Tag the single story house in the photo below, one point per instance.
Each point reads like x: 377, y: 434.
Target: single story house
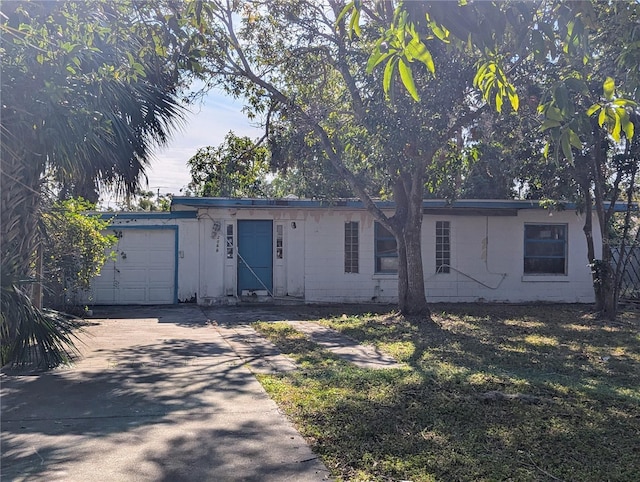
x: 219, y: 250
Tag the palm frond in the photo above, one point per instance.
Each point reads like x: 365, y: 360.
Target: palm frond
x: 41, y: 338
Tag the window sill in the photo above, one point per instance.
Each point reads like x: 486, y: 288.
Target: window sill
x: 546, y: 278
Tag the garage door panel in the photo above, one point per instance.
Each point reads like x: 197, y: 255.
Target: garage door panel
x: 156, y: 295
x: 158, y: 275
x: 106, y: 296
x: 145, y: 258
x: 133, y: 276
x: 105, y: 279
x: 143, y: 271
x: 133, y: 295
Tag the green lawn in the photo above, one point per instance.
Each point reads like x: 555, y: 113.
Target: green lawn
x: 520, y: 393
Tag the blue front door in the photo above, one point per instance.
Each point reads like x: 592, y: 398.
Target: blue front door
x: 255, y: 256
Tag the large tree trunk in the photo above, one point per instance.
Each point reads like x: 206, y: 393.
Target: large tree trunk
x: 411, y: 292
x: 591, y: 250
x: 604, y: 275
x: 407, y: 224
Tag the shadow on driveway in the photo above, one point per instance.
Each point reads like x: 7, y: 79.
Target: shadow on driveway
x: 154, y: 398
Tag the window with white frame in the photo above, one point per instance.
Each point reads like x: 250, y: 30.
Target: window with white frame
x: 351, y: 247
x: 443, y: 247
x: 386, y: 250
x: 229, y: 241
x: 279, y: 241
x: 545, y: 249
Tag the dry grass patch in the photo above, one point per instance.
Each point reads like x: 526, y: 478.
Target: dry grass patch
x: 494, y: 393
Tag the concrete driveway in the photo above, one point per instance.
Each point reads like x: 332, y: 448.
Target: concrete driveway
x: 158, y: 395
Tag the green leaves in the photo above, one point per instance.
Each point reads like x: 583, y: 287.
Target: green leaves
x: 352, y: 8
x: 76, y: 246
x: 609, y: 88
x: 354, y: 24
x: 400, y: 47
x: 627, y: 125
x: 560, y: 121
x: 593, y: 109
x: 417, y: 50
x: 236, y: 168
x: 566, y: 121
x: 492, y: 82
x: 388, y: 75
x: 613, y: 114
x: 380, y: 54
x: 407, y: 78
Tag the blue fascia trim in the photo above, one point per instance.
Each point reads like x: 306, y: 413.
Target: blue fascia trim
x: 506, y: 204
x: 164, y: 215
x: 284, y: 203
x: 497, y: 204
x: 175, y: 230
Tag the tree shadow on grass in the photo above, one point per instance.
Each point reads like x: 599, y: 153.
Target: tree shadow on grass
x: 551, y: 345
x: 424, y: 429
x: 495, y: 393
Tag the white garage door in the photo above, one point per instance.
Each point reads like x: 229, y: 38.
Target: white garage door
x: 143, y: 271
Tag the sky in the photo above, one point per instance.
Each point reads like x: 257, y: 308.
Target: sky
x: 206, y: 125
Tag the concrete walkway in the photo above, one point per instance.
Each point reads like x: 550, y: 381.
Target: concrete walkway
x: 364, y: 356
x: 261, y: 356
x: 160, y: 395
x: 258, y: 353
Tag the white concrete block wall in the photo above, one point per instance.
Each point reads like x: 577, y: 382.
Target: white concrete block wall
x: 486, y: 257
x: 294, y: 256
x: 471, y: 275
x: 488, y: 261
x: 215, y: 277
x: 188, y: 259
x: 325, y: 279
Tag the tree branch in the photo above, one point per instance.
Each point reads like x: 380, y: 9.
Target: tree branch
x: 243, y: 67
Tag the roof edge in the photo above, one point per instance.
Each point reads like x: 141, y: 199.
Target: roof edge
x: 458, y: 204
x: 115, y: 215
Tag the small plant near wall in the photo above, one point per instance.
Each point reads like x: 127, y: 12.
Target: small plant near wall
x: 76, y: 248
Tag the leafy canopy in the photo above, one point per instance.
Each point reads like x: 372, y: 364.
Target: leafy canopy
x: 236, y: 168
x: 505, y: 34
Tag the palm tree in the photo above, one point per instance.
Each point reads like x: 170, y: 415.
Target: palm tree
x: 88, y: 89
